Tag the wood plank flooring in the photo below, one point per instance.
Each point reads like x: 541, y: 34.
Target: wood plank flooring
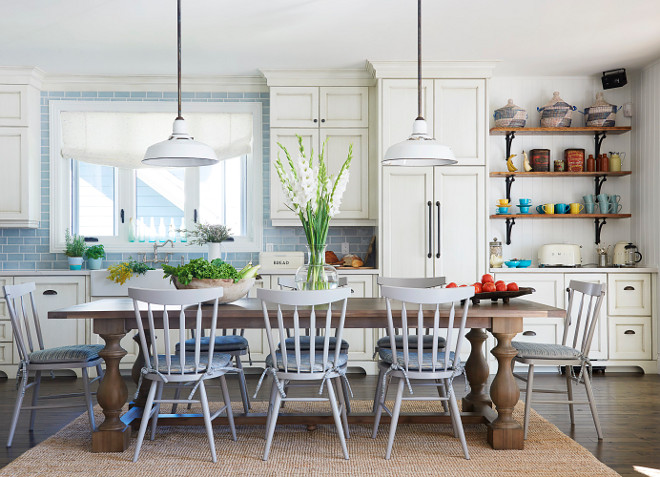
x: 628, y: 405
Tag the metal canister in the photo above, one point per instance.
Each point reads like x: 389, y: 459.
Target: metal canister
x: 540, y: 159
x: 574, y: 160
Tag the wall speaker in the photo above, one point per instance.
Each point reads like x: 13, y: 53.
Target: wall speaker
x: 614, y: 78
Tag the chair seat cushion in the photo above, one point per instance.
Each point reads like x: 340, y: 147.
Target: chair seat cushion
x: 544, y: 351
x: 318, y: 343
x: 427, y: 342
x: 305, y: 365
x: 222, y: 343
x: 66, y: 354
x: 386, y: 356
x: 220, y: 360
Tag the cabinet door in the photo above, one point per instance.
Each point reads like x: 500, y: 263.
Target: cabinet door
x: 344, y: 107
x: 294, y: 107
x: 13, y: 105
x: 287, y: 137
x: 399, y: 102
x: 355, y: 201
x: 629, y: 294
x: 459, y: 118
x: 407, y: 222
x: 14, y: 180
x: 256, y: 337
x: 6, y: 331
x: 459, y: 217
x: 598, y: 348
x: 630, y: 337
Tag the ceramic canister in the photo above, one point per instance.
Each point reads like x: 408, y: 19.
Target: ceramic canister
x: 540, y: 159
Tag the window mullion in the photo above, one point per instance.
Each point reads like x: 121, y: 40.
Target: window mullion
x: 191, y: 190
x: 125, y: 192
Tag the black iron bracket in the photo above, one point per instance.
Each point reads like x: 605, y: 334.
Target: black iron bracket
x: 599, y: 227
x: 598, y: 140
x: 509, y: 139
x: 510, y: 221
x: 599, y: 182
x: 509, y: 180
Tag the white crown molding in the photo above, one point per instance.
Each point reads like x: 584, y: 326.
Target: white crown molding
x: 431, y: 69
x: 21, y: 75
x: 320, y: 77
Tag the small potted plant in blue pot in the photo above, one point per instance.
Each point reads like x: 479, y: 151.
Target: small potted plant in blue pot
x: 75, y: 248
x: 95, y: 255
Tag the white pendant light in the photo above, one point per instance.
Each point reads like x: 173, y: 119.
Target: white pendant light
x: 419, y: 149
x: 181, y: 149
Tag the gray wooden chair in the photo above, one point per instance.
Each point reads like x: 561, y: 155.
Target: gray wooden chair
x: 181, y: 368
x: 292, y: 365
x: 36, y: 358
x: 417, y: 364
x: 582, y: 312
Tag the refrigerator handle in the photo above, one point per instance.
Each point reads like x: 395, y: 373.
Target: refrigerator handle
x: 437, y: 255
x: 430, y: 205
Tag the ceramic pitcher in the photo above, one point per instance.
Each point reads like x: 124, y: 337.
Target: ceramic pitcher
x: 616, y: 159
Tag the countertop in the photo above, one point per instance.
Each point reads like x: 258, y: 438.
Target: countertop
x: 341, y: 271
x: 575, y: 270
x: 49, y: 273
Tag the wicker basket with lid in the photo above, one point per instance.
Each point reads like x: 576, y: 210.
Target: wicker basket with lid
x: 557, y: 113
x: 601, y: 113
x: 510, y: 116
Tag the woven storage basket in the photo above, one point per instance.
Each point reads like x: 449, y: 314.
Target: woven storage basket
x: 510, y: 116
x: 601, y: 113
x: 557, y: 113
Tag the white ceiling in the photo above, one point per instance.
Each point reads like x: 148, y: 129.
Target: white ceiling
x: 239, y: 37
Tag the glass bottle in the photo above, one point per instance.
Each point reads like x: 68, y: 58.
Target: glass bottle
x: 140, y: 230
x: 171, y: 231
x: 182, y: 228
x: 131, y: 230
x: 152, y: 230
x: 591, y: 163
x: 162, y: 234
x: 495, y: 248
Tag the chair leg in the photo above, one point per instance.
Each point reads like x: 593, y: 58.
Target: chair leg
x: 35, y: 398
x: 271, y: 424
x: 88, y: 399
x: 569, y: 391
x: 273, y: 391
x: 243, y: 385
x: 457, y: 419
x: 592, y: 404
x: 17, y: 411
x: 395, y: 418
x: 379, y: 382
x: 452, y: 414
x: 99, y: 371
x: 337, y: 416
x: 528, y: 397
x: 347, y: 396
x: 154, y: 419
x: 207, y: 419
x: 341, y: 396
x: 230, y: 413
x: 379, y: 407
x: 177, y: 394
x: 145, y: 419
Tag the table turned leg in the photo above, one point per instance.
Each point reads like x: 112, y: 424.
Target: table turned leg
x: 504, y: 432
x: 112, y: 435
x: 476, y: 372
x: 136, y: 371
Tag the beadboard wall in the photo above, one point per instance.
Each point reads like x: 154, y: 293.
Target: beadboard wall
x: 530, y: 93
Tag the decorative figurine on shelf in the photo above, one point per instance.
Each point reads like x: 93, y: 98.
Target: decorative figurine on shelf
x: 526, y: 165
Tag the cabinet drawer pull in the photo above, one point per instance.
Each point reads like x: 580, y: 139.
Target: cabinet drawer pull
x: 50, y: 292
x: 430, y: 206
x: 322, y: 120
x: 629, y: 332
x: 629, y: 287
x: 529, y: 333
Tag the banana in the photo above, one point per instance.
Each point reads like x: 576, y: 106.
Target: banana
x: 526, y: 164
x: 509, y: 164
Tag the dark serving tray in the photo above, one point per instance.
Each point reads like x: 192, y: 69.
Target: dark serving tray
x: 504, y: 295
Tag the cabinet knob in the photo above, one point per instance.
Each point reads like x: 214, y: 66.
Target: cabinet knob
x: 629, y: 332
x: 322, y: 120
x: 629, y: 287
x: 316, y: 120
x: 529, y: 333
x: 50, y: 292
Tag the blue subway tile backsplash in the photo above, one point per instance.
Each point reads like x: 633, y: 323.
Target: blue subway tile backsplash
x: 28, y: 249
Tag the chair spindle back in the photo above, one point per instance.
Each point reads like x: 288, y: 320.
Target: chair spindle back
x: 583, y: 309
x: 24, y: 318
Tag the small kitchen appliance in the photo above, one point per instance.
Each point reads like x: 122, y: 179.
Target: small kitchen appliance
x: 559, y: 255
x: 626, y: 255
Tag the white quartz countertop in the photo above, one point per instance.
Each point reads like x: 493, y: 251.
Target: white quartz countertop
x: 49, y: 273
x: 575, y: 270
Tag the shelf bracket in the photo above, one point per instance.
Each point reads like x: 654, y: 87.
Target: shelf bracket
x: 509, y: 139
x: 510, y: 221
x: 599, y: 226
x: 599, y: 183
x: 509, y: 180
x: 598, y: 140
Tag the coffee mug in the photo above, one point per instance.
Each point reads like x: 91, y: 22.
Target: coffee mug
x: 615, y: 198
x: 525, y: 201
x: 576, y: 208
x: 589, y: 207
x: 615, y: 208
x: 539, y: 209
x: 603, y: 198
x: 504, y: 202
x: 549, y: 208
x: 604, y: 206
x: 561, y: 208
x: 588, y: 199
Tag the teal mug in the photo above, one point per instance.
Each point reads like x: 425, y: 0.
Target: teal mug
x: 615, y: 198
x: 615, y: 208
x: 539, y: 209
x: 561, y: 208
x: 589, y: 207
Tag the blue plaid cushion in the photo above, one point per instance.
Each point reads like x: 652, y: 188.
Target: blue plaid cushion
x: 305, y: 342
x: 427, y: 342
x: 427, y: 359
x: 219, y: 361
x: 222, y: 343
x: 544, y: 351
x: 66, y: 354
x: 305, y: 364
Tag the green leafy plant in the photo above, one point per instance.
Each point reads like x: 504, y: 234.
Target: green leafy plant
x: 95, y: 251
x: 123, y: 271
x: 201, y: 268
x: 75, y: 245
x: 205, y: 233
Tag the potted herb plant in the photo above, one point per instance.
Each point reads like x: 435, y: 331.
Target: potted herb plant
x: 211, y: 234
x: 75, y: 248
x: 95, y: 255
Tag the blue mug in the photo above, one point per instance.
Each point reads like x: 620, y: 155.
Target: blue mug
x: 539, y: 209
x: 502, y: 210
x: 589, y: 207
x: 525, y: 201
x: 561, y: 208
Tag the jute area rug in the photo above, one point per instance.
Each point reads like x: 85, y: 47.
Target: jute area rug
x: 419, y: 450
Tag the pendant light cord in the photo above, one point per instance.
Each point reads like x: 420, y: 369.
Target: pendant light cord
x: 419, y: 59
x: 178, y: 39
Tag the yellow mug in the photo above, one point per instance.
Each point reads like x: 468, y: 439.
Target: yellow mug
x: 576, y: 208
x: 549, y: 208
x: 504, y: 202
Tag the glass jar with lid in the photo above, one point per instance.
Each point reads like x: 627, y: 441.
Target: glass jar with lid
x: 495, y: 253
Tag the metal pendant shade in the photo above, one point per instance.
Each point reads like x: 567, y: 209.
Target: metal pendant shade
x: 180, y: 149
x: 420, y: 149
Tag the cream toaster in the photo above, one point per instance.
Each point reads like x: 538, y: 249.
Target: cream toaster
x: 559, y: 255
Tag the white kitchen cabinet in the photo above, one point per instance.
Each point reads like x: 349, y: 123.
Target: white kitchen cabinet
x: 433, y: 222
x: 629, y: 294
x: 6, y: 332
x: 14, y: 105
x: 631, y: 337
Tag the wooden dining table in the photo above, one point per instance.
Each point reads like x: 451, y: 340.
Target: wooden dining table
x: 113, y: 318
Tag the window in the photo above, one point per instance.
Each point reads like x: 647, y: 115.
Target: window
x: 96, y: 195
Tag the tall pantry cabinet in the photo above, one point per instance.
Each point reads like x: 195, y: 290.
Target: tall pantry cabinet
x: 433, y: 219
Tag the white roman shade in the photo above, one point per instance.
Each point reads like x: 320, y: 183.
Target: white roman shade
x: 119, y: 139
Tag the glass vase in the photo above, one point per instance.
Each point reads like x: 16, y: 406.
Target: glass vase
x: 316, y: 274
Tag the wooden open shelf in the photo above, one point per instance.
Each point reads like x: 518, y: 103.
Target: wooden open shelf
x: 559, y: 174
x: 560, y: 216
x: 581, y: 130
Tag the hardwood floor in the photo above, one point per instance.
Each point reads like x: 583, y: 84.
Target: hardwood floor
x: 628, y: 405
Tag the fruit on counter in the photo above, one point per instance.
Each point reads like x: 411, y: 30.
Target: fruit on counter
x: 331, y: 257
x: 526, y: 165
x: 500, y: 286
x: 462, y: 286
x: 513, y: 286
x: 451, y: 285
x: 499, y: 281
x: 509, y: 164
x: 487, y: 278
x: 488, y: 287
x: 477, y: 287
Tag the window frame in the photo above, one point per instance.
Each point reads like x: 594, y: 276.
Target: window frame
x: 60, y: 184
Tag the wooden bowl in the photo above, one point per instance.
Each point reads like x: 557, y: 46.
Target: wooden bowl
x: 232, y: 291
